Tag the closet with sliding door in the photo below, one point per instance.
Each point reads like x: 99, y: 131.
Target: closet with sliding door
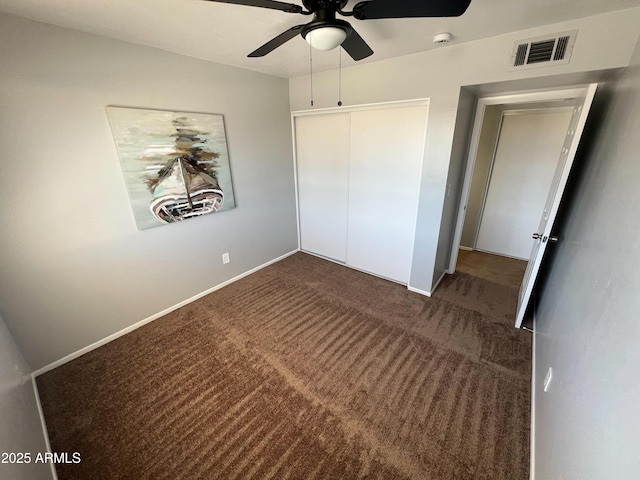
x: 358, y: 180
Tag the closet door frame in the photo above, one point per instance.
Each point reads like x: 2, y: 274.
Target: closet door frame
x: 349, y: 109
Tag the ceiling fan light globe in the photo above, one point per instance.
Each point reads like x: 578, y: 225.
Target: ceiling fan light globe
x: 326, y: 38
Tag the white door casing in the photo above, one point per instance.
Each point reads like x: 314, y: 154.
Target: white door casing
x: 543, y: 234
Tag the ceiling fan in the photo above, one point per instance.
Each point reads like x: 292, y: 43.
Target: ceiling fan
x: 326, y: 32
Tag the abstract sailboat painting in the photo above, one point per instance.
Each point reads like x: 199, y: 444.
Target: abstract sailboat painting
x: 175, y: 164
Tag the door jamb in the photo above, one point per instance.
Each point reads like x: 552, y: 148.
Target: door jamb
x: 483, y: 103
x: 487, y: 183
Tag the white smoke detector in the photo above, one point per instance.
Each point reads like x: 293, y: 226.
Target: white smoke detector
x: 442, y: 38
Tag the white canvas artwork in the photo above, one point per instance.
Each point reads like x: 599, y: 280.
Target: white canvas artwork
x: 175, y: 164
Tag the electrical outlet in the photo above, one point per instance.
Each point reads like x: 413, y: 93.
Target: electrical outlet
x: 225, y: 258
x: 547, y: 379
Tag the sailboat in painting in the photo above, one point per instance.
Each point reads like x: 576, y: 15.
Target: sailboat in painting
x: 187, y: 185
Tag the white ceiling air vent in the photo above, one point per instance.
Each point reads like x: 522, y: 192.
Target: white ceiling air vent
x: 543, y: 51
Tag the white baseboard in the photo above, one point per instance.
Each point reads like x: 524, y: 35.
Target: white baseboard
x: 417, y: 290
x: 468, y: 249
x: 433, y: 289
x: 135, y: 326
x: 45, y: 433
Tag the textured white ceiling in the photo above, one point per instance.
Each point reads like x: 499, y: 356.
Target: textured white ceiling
x: 226, y: 33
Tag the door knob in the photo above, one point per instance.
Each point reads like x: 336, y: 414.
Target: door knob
x: 538, y: 236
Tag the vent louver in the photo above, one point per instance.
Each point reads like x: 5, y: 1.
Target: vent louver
x: 521, y: 54
x: 561, y: 48
x: 540, y: 51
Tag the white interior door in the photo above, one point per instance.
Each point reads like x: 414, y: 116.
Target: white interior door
x: 322, y: 156
x: 543, y: 234
x: 387, y: 147
x: 523, y: 167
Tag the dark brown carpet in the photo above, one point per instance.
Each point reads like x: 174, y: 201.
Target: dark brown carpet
x: 495, y: 268
x: 305, y: 370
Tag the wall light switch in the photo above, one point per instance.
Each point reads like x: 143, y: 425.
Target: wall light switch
x: 225, y: 258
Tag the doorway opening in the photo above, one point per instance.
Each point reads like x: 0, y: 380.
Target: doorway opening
x: 515, y: 162
x: 521, y: 151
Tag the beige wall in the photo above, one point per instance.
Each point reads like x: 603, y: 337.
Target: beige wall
x: 586, y: 322
x: 439, y: 75
x: 21, y: 429
x: 635, y: 57
x: 587, y: 329
x: 74, y: 267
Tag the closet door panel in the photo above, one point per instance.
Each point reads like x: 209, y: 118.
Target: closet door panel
x: 387, y: 148
x: 322, y: 156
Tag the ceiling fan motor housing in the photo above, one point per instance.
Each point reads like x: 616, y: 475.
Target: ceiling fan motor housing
x: 316, y: 5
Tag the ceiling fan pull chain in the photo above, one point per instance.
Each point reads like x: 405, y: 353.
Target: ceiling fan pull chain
x: 311, y: 71
x: 340, y: 76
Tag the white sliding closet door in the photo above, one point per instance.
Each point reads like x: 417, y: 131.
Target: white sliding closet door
x: 322, y: 153
x: 387, y: 148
